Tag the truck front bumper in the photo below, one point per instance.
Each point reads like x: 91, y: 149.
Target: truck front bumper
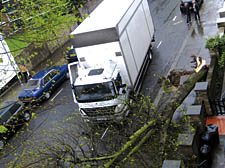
x: 118, y: 117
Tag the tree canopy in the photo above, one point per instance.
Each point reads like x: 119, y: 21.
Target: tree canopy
x: 38, y: 21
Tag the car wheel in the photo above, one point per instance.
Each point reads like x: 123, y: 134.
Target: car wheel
x: 2, y: 144
x: 47, y: 95
x: 26, y: 116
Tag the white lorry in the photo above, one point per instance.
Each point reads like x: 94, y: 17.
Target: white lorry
x: 113, y: 46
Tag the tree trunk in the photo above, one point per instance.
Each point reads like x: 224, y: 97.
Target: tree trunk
x: 166, y: 110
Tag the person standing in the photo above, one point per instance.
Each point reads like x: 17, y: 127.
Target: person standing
x: 196, y: 10
x: 188, y: 12
x: 24, y: 71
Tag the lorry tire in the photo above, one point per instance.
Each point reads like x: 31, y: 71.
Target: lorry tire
x: 150, y: 54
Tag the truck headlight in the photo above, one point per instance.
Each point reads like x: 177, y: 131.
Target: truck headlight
x: 119, y: 108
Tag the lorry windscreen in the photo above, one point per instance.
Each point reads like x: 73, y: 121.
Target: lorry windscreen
x: 95, y: 92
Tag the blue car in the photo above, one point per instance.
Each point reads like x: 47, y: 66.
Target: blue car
x: 41, y: 85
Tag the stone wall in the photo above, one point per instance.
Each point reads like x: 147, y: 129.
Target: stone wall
x: 211, y: 75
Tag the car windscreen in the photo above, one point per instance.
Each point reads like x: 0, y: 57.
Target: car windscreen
x: 33, y: 84
x: 95, y: 92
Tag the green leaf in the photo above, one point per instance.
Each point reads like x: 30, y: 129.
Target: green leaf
x: 3, y: 129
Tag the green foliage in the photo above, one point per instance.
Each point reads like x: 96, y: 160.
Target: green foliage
x: 221, y: 60
x: 3, y: 129
x: 217, y: 44
x: 213, y: 43
x: 46, y: 19
x: 38, y: 21
x: 166, y: 84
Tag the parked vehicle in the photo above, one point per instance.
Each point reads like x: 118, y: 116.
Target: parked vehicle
x: 182, y: 8
x: 12, y: 115
x: 71, y: 55
x: 8, y: 67
x: 41, y: 85
x: 114, y: 49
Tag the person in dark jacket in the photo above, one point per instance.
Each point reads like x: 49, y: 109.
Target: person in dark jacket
x: 187, y: 12
x: 196, y: 10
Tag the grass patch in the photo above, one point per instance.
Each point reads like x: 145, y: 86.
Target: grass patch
x: 16, y: 45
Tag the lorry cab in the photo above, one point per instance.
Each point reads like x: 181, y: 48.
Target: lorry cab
x: 100, y: 93
x: 114, y: 51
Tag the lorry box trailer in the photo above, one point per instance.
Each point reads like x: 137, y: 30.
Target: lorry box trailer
x: 113, y: 46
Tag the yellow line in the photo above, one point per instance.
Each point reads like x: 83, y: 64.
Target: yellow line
x: 178, y: 22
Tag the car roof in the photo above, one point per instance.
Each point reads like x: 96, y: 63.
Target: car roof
x: 6, y: 105
x: 42, y: 73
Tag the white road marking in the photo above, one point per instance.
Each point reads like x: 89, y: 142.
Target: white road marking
x: 105, y: 132
x: 56, y: 94
x: 174, y: 18
x: 159, y: 44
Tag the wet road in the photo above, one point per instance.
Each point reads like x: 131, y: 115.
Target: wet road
x: 49, y: 116
x: 175, y: 43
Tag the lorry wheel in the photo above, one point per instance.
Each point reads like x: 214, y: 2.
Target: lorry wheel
x: 26, y: 116
x: 150, y: 54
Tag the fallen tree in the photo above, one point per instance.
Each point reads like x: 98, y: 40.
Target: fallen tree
x: 166, y: 108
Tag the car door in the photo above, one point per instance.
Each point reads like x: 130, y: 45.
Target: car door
x: 15, y: 110
x: 55, y: 76
x: 47, y: 83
